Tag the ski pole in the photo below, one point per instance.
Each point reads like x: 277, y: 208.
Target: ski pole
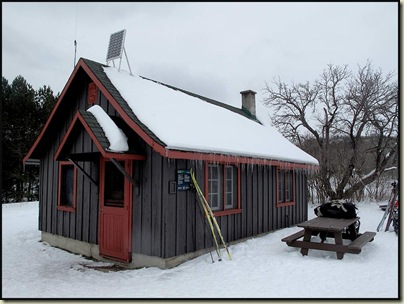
x: 206, y: 214
x: 210, y: 212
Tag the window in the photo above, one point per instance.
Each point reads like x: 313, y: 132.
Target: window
x: 285, y: 182
x: 114, y: 185
x: 214, y: 187
x: 67, y: 187
x: 229, y: 186
x: 222, y: 188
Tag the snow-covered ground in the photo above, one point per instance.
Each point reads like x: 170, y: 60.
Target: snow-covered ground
x: 262, y: 267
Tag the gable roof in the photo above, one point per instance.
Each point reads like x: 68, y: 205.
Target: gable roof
x: 180, y: 124
x: 241, y: 111
x: 89, y: 122
x: 95, y: 128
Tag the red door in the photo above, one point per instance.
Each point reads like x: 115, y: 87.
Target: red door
x: 115, y: 211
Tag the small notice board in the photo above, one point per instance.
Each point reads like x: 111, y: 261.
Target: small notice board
x: 183, y: 179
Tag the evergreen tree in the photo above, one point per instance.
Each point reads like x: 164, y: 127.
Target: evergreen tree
x: 24, y: 113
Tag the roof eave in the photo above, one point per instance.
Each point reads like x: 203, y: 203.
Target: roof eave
x: 238, y: 159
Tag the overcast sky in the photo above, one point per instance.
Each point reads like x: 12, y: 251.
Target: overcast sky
x: 214, y: 49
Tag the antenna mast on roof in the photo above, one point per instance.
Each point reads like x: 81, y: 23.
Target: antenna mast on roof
x: 75, y: 36
x: 116, y: 45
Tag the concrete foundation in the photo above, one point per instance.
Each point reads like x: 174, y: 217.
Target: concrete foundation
x: 138, y: 260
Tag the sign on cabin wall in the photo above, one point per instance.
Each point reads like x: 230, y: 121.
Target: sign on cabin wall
x: 183, y: 179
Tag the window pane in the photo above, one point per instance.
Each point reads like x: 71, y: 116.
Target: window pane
x: 229, y: 200
x: 214, y: 187
x: 229, y: 187
x: 67, y: 187
x: 229, y: 172
x: 214, y: 201
x: 289, y: 186
x: 281, y: 186
x: 213, y: 170
x: 114, y: 185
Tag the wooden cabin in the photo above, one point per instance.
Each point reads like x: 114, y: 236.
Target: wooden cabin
x: 134, y: 204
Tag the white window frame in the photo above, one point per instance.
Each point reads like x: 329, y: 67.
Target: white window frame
x: 229, y: 193
x: 215, y: 204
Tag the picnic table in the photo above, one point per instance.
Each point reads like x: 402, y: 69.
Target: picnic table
x: 329, y: 227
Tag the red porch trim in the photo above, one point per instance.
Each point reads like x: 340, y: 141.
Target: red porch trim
x: 129, y: 168
x: 124, y: 156
x: 101, y: 190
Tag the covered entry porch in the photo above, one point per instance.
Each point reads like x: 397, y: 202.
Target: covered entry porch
x: 84, y: 158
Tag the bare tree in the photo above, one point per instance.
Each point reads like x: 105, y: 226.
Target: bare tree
x: 349, y: 120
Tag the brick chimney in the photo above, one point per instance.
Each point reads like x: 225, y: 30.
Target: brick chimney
x: 248, y: 101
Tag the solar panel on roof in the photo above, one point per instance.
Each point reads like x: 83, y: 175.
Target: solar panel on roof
x: 115, y: 48
x: 116, y: 42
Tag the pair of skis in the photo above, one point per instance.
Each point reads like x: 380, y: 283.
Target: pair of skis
x: 210, y: 217
x: 388, y: 213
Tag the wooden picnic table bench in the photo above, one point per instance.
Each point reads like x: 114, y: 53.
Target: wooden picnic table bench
x: 329, y: 227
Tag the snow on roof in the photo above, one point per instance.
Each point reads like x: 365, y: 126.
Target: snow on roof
x: 187, y: 123
x: 117, y: 139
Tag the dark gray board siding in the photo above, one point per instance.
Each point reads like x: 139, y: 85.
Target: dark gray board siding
x: 83, y: 223
x: 167, y: 225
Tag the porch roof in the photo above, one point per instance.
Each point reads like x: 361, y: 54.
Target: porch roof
x: 86, y: 120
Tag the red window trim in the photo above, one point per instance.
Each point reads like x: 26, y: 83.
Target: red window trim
x: 224, y: 211
x: 61, y: 207
x: 284, y: 204
x: 227, y: 212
